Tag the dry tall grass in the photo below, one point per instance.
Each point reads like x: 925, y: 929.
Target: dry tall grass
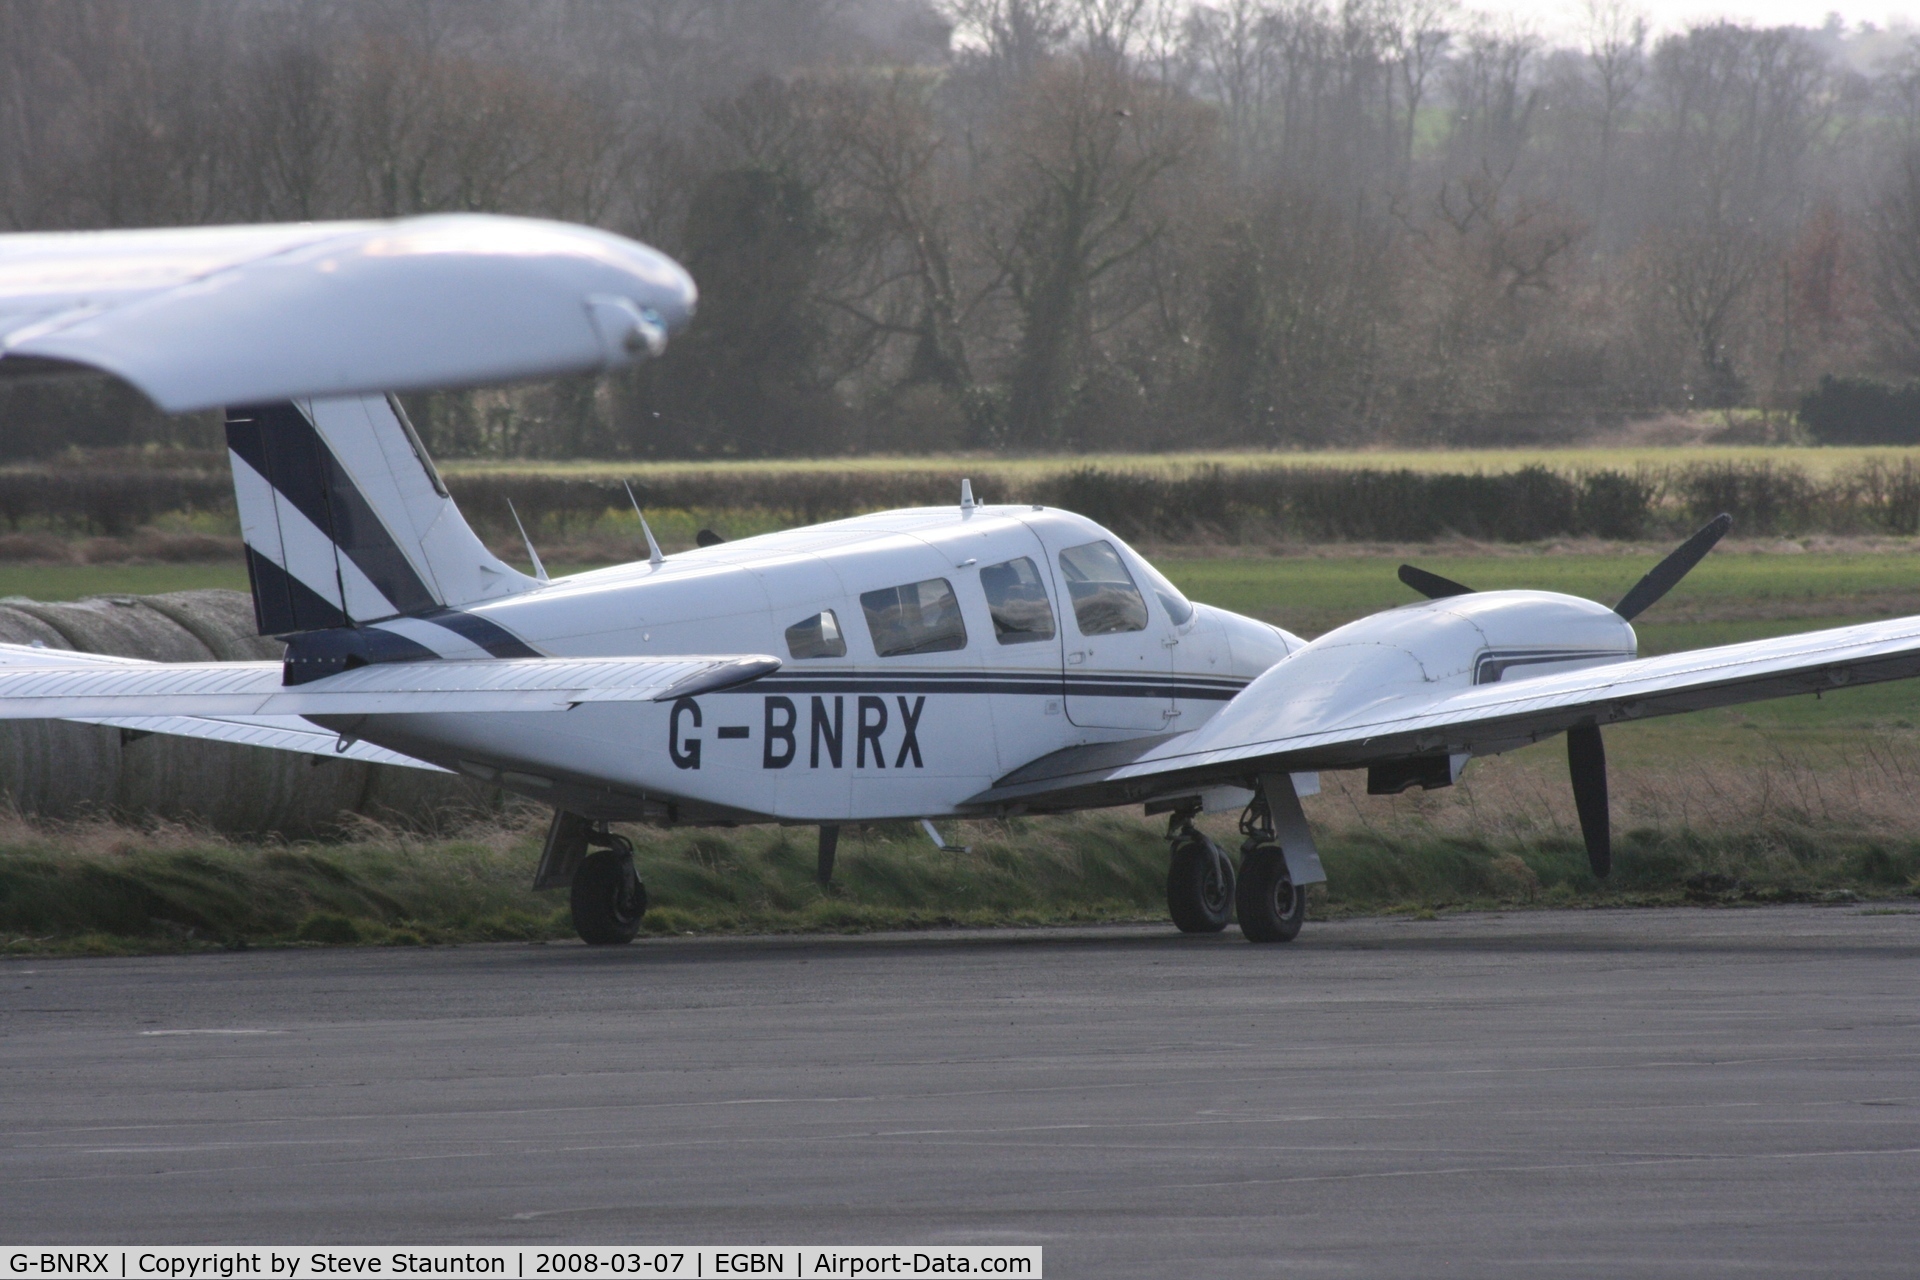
x: 1797, y: 825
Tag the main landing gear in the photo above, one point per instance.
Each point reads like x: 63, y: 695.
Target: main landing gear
x: 1271, y: 906
x: 1203, y: 891
x: 1199, y: 879
x: 608, y: 898
x: 596, y: 867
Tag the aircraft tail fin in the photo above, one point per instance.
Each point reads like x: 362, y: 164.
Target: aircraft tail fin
x: 346, y: 520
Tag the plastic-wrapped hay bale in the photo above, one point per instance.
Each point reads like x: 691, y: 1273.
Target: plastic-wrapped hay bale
x: 46, y: 766
x: 54, y: 769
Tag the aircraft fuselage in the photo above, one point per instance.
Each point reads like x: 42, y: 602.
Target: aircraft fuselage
x: 927, y: 653
x: 887, y: 705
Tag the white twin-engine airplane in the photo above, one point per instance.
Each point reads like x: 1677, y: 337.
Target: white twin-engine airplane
x: 959, y: 661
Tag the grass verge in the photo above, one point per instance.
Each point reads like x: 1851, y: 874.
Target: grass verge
x: 97, y: 888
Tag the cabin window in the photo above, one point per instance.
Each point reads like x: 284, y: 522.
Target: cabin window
x: 921, y: 617
x: 817, y: 637
x: 1105, y: 601
x: 1168, y: 595
x: 1017, y: 599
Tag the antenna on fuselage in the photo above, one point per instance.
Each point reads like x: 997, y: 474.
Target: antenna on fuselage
x: 539, y: 570
x: 966, y: 497
x: 653, y: 548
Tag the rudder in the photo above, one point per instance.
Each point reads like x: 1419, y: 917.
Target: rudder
x: 346, y: 520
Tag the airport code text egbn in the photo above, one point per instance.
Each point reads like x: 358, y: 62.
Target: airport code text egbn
x: 517, y: 1263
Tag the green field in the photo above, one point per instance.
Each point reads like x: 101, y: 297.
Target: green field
x: 1730, y: 596
x: 72, y: 582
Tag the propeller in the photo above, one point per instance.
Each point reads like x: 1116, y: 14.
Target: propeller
x: 1587, y: 766
x: 1586, y: 752
x: 1432, y: 585
x: 1664, y: 576
x: 1660, y: 579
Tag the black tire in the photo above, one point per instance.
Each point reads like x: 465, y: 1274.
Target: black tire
x: 1199, y: 885
x: 608, y: 898
x: 1271, y: 907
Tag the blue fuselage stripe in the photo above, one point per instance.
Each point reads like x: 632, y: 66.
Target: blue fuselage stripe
x: 1079, y: 686
x: 489, y: 635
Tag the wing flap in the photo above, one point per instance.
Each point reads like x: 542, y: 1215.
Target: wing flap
x: 1477, y: 720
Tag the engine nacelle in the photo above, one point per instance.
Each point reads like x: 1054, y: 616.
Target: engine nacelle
x: 1376, y: 667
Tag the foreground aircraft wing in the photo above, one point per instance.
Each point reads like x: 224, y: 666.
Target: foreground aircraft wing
x: 40, y: 684
x: 208, y: 316
x: 1278, y: 724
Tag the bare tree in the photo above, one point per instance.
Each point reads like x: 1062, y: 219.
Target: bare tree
x: 1048, y: 221
x: 1231, y: 61
x: 1709, y: 269
x: 1084, y: 150
x: 1616, y: 50
x: 1895, y: 223
x: 1493, y: 96
x: 1017, y: 36
x: 291, y: 110
x: 1420, y: 37
x: 896, y: 160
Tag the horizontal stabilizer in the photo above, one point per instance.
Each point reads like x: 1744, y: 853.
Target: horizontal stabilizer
x: 275, y: 733
x: 56, y: 689
x: 278, y: 733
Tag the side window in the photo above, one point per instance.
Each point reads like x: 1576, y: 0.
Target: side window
x: 817, y: 637
x: 921, y: 617
x: 1171, y: 600
x: 1018, y: 602
x: 1105, y: 601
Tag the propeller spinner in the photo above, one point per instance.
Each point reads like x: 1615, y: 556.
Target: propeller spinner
x: 1586, y: 751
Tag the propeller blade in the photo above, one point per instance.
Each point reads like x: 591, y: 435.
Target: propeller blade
x: 1432, y: 585
x: 1667, y: 574
x: 1587, y: 765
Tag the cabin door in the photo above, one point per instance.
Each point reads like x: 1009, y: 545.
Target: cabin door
x: 1117, y: 650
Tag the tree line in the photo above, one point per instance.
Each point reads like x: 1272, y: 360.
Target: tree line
x: 1039, y: 224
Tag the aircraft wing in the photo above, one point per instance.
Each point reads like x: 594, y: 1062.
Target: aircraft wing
x: 1279, y: 724
x: 278, y: 733
x: 42, y: 684
x: 208, y: 316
